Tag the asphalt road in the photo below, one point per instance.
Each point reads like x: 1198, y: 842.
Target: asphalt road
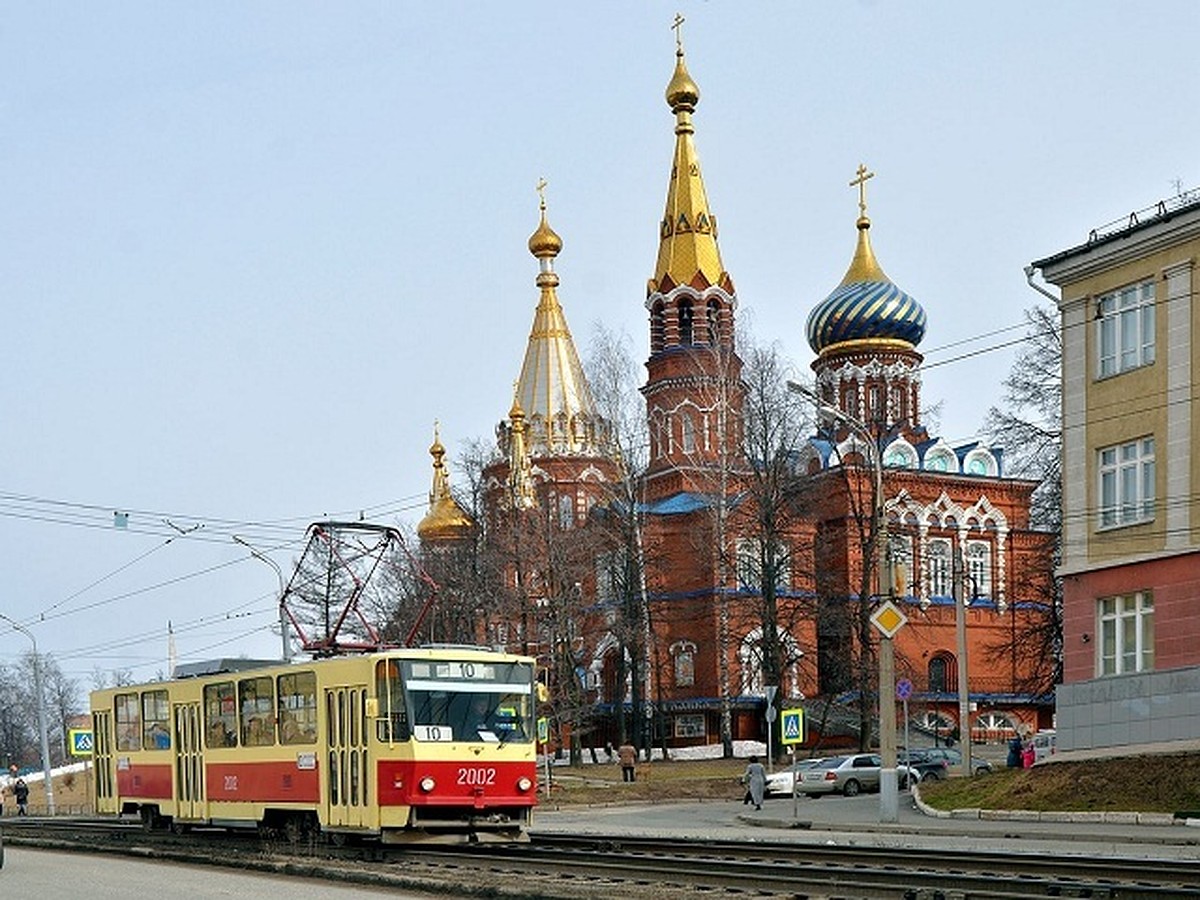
x: 50, y: 875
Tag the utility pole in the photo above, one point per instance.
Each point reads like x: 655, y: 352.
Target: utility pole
x: 960, y: 633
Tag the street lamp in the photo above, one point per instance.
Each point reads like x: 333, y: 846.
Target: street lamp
x: 41, y: 710
x: 888, y: 782
x: 283, y: 622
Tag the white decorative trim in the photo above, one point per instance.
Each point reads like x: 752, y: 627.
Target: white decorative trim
x: 1180, y: 385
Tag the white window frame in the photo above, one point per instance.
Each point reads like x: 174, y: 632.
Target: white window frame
x: 1125, y: 483
x: 938, y: 568
x: 1125, y: 329
x: 1125, y: 631
x: 748, y: 575
x: 979, y: 566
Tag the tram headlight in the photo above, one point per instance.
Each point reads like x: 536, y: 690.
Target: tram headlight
x: 427, y: 783
x: 524, y: 784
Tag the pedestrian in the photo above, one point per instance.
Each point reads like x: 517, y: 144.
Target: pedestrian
x: 756, y: 783
x: 21, y: 792
x: 1014, y: 752
x: 627, y: 754
x: 1028, y: 754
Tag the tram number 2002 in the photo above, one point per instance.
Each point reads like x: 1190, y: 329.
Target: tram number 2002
x: 476, y: 777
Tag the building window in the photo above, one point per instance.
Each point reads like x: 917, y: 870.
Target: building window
x: 979, y: 568
x: 943, y: 674
x: 937, y: 567
x: 1126, y: 628
x: 900, y: 550
x: 683, y: 654
x: 714, y: 323
x: 688, y: 427
x: 685, y: 322
x: 1125, y: 330
x: 1127, y: 483
x: 566, y: 511
x: 751, y: 562
x: 690, y: 725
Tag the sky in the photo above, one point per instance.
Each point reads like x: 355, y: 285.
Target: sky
x: 251, y: 252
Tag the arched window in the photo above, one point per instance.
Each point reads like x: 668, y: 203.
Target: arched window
x: 714, y: 323
x: 683, y: 654
x: 688, y: 427
x: 979, y: 568
x: 685, y: 322
x: 656, y: 327
x: 937, y: 567
x: 943, y: 674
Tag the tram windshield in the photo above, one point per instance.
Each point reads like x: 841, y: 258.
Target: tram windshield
x: 459, y: 700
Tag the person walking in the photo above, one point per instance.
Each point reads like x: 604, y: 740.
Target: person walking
x: 756, y: 783
x: 627, y: 754
x: 21, y: 792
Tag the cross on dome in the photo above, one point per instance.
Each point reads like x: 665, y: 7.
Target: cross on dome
x: 861, y: 183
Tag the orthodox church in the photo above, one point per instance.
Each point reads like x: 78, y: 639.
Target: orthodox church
x: 628, y: 585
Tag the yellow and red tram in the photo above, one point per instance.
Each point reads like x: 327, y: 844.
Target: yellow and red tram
x: 399, y: 745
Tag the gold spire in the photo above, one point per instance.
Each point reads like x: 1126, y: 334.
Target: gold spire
x: 520, y: 475
x: 445, y: 519
x: 552, y: 391
x: 863, y: 267
x: 687, y: 251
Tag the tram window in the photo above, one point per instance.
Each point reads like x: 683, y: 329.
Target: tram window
x: 298, y: 708
x: 256, y: 702
x: 129, y: 722
x: 220, y: 715
x: 156, y: 712
x: 392, y: 724
x: 460, y: 701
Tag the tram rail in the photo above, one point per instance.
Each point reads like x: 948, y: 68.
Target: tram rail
x: 555, y: 866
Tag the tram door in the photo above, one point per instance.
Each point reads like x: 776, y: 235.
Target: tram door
x: 189, y: 762
x: 348, y: 787
x: 103, y: 763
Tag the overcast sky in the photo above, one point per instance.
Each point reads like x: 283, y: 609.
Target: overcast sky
x: 251, y: 251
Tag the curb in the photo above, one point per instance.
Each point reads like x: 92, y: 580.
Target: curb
x: 1033, y: 815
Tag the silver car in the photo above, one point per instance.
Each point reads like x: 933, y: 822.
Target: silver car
x: 846, y: 775
x: 780, y: 784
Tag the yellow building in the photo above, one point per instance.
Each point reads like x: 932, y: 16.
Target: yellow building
x: 1131, y: 507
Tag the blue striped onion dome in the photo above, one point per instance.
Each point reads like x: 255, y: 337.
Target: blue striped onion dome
x: 866, y: 306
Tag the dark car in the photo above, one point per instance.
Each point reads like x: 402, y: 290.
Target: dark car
x: 924, y: 766
x: 953, y: 757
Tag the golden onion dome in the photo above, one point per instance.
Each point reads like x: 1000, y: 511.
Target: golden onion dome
x: 544, y: 243
x: 445, y: 520
x: 682, y: 91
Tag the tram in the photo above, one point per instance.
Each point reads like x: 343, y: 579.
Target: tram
x: 428, y: 743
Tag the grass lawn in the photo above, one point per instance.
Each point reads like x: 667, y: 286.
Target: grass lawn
x: 1165, y: 783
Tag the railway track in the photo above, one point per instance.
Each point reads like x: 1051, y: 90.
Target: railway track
x: 554, y: 866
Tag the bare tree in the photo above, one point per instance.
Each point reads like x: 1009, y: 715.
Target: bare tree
x: 1029, y: 427
x: 621, y: 579
x: 773, y: 509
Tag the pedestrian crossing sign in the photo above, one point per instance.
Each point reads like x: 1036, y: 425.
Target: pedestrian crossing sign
x: 80, y: 740
x: 793, y: 726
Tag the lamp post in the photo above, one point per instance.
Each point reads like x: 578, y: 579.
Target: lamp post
x: 41, y: 711
x: 888, y: 781
x: 283, y: 622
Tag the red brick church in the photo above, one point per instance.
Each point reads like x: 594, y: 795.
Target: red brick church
x: 626, y: 577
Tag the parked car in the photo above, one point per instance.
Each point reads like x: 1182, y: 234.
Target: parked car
x: 1045, y: 743
x: 847, y: 775
x: 923, y: 766
x: 780, y: 784
x: 953, y: 757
